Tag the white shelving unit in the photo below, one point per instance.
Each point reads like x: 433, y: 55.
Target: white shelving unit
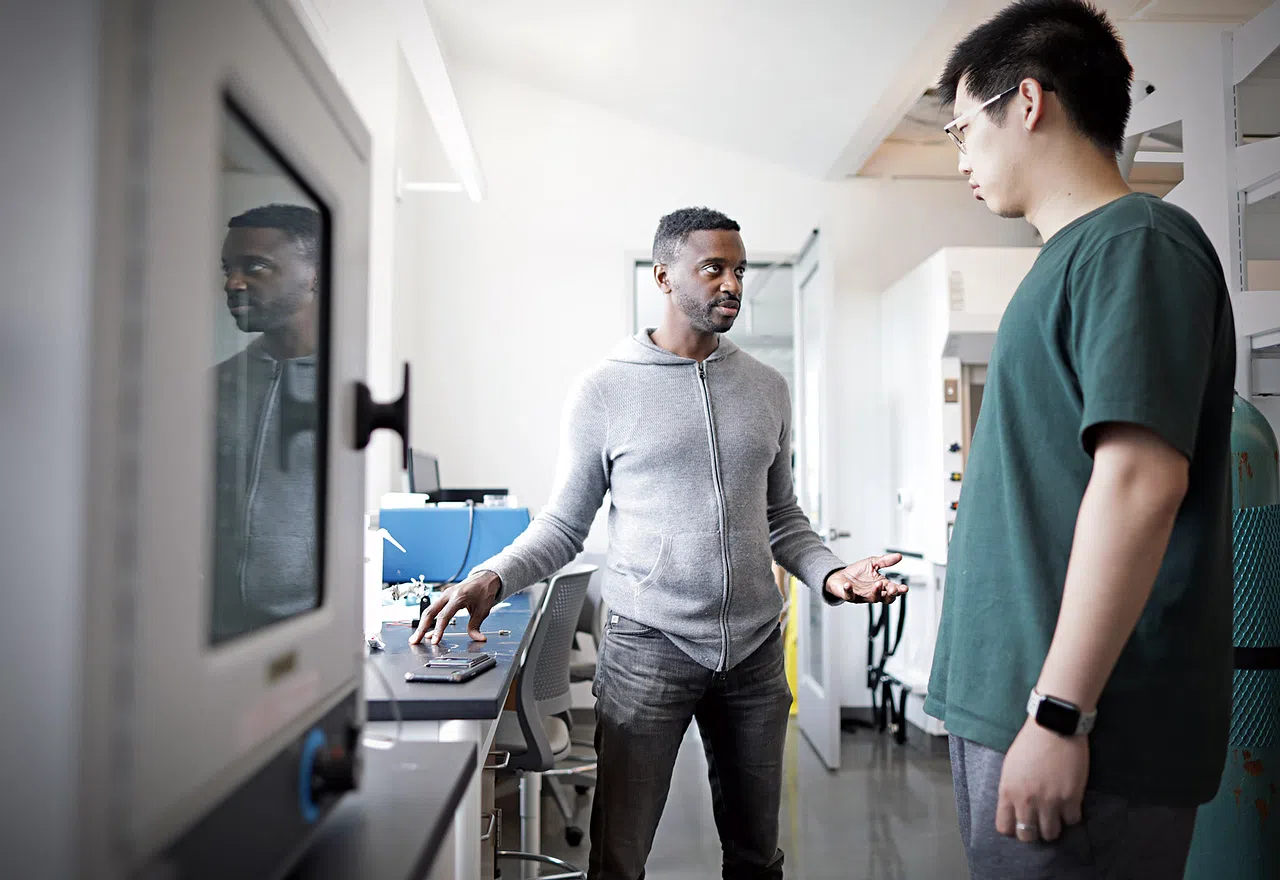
x: 1227, y: 101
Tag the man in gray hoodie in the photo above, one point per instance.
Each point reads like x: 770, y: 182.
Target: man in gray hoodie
x: 691, y: 438
x: 264, y: 560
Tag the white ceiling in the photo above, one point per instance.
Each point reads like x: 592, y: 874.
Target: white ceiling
x: 812, y: 85
x: 1196, y: 10
x: 786, y: 81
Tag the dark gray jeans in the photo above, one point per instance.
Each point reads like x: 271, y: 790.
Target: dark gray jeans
x: 647, y: 691
x: 1116, y: 840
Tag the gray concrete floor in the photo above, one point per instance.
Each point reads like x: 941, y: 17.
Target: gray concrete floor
x: 888, y: 814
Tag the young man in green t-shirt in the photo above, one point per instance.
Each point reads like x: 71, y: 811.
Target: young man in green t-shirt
x: 1083, y: 663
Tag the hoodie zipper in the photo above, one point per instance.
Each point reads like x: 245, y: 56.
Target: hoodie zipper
x: 724, y: 530
x: 268, y: 406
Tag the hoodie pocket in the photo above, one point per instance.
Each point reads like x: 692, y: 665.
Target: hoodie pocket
x: 637, y: 559
x: 686, y: 562
x: 664, y: 553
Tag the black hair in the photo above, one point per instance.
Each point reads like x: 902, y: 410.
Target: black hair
x: 1068, y: 46
x: 675, y: 228
x: 300, y: 223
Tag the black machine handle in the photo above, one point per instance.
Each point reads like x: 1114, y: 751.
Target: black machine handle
x: 393, y: 416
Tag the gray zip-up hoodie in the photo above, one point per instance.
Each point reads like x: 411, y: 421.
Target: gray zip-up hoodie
x: 697, y: 461
x: 264, y: 564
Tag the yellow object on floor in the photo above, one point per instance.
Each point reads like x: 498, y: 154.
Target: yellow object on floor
x: 789, y: 635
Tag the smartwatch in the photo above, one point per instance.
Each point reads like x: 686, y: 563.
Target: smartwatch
x: 1060, y: 716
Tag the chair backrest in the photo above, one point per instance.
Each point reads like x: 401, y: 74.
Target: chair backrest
x: 587, y: 618
x: 543, y: 688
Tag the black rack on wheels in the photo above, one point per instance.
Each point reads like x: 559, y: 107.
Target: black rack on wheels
x: 886, y: 712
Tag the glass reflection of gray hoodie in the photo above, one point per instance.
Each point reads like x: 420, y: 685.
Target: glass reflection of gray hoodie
x: 264, y: 560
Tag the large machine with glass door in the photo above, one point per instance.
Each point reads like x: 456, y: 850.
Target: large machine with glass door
x: 223, y: 697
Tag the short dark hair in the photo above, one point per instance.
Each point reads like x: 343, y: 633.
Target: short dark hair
x: 1068, y: 46
x: 300, y: 223
x: 675, y: 228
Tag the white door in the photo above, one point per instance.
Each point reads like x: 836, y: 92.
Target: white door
x: 817, y: 677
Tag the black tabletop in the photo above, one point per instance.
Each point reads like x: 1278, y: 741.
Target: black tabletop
x: 391, y: 827
x: 480, y: 698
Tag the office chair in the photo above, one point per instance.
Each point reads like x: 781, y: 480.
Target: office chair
x: 536, y: 733
x: 591, y: 621
x: 582, y: 668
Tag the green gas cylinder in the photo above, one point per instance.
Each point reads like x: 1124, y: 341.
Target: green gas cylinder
x: 1238, y: 833
x: 1255, y: 457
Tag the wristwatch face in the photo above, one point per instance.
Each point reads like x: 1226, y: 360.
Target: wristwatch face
x: 1057, y: 716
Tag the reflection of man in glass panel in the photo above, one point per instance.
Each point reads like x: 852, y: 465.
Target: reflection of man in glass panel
x: 265, y: 540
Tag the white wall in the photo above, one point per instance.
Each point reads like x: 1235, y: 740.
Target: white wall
x: 418, y: 157
x: 1262, y: 230
x: 1158, y: 50
x: 360, y: 43
x: 1264, y: 274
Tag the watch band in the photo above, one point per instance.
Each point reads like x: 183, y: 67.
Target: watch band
x: 1060, y: 716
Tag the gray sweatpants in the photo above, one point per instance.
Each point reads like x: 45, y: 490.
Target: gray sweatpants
x: 1115, y: 840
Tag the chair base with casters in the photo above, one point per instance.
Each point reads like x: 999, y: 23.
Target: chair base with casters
x: 554, y: 780
x: 579, y: 769
x: 532, y: 782
x: 570, y: 872
x: 530, y: 829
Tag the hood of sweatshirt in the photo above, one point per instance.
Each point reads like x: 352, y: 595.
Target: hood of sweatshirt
x: 641, y: 349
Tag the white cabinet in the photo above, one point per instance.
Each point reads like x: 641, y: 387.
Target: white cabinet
x: 939, y: 324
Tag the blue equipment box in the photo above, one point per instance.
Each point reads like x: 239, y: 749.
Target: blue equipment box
x: 435, y: 538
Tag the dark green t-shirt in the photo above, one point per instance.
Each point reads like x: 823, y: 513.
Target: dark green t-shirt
x: 1125, y: 317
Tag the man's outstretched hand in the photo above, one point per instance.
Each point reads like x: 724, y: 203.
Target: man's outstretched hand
x: 863, y: 582
x: 477, y: 594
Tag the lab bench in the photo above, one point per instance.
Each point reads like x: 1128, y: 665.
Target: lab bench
x: 465, y: 713
x: 399, y: 821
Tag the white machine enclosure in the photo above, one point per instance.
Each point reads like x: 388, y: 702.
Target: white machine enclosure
x: 939, y: 324
x: 172, y: 724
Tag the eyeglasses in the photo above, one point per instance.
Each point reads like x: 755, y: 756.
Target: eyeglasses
x: 952, y: 128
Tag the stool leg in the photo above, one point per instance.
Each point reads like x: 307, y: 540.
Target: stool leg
x: 530, y: 820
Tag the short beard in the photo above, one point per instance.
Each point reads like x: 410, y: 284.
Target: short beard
x: 702, y: 317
